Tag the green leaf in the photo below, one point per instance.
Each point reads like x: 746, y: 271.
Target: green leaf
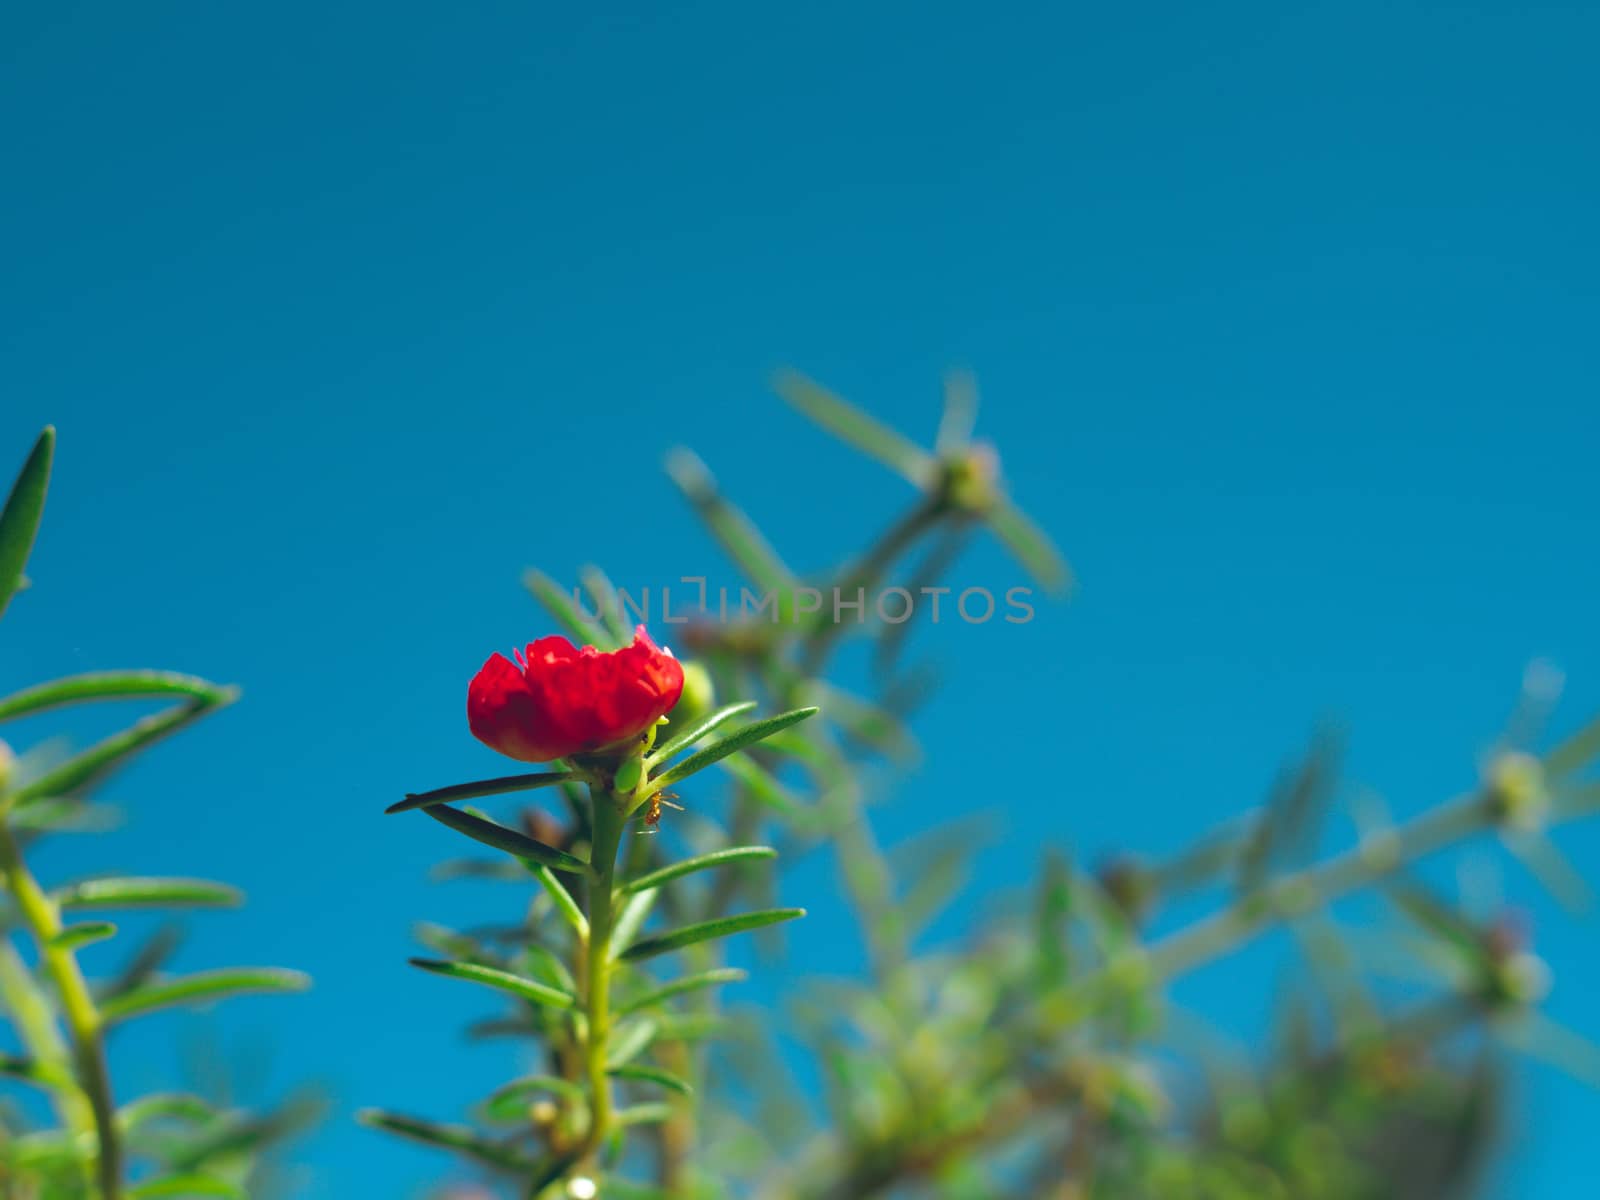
x: 482, y: 787
x: 89, y: 767
x: 504, y: 981
x: 1554, y: 870
x: 607, y: 604
x: 107, y: 685
x: 84, y: 934
x: 457, y: 1138
x: 187, y: 1186
x: 643, y: 1114
x: 19, y: 520
x: 41, y: 1074
x: 736, y: 533
x: 510, y: 1101
x: 1575, y: 753
x: 648, y: 1074
x: 960, y: 413
x: 689, y: 935
x: 744, y: 736
x: 163, y: 1106
x: 689, y: 983
x: 148, y: 892
x: 854, y: 427
x: 629, y: 1040
x: 694, y: 730
x: 561, y: 605
x: 564, y: 901
x: 700, y: 862
x: 201, y: 987
x: 759, y: 783
x: 490, y: 833
x: 1032, y: 548
x: 632, y: 917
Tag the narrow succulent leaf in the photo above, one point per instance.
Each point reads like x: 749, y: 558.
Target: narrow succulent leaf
x: 627, y: 1189
x: 491, y: 833
x: 643, y: 1073
x: 689, y: 935
x: 1436, y: 917
x: 1577, y: 801
x: 509, y: 1102
x: 187, y: 1187
x: 629, y: 1040
x: 564, y: 901
x: 607, y: 604
x: 19, y: 520
x: 87, y: 768
x: 631, y: 919
x: 702, y: 862
x: 734, y: 531
x: 960, y: 413
x: 136, y: 891
x: 892, y: 635
x: 745, y: 735
x: 643, y: 1114
x: 106, y: 685
x: 504, y: 981
x: 856, y: 428
x: 481, y: 787
x: 690, y: 1027
x: 45, y: 1075
x: 1032, y: 548
x: 457, y: 1138
x: 1539, y: 1036
x: 1299, y: 797
x: 760, y: 784
x: 1577, y: 752
x: 164, y: 1106
x: 66, y: 816
x: 1554, y: 870
x: 203, y: 987
x: 86, y: 933
x: 562, y: 605
x: 695, y: 729
x: 679, y: 987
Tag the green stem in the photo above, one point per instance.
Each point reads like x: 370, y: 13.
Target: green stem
x: 1290, y: 895
x: 84, y: 1026
x: 608, y: 826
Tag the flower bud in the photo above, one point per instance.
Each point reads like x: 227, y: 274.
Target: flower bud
x: 699, y: 694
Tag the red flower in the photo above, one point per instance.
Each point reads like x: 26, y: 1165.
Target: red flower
x: 557, y: 700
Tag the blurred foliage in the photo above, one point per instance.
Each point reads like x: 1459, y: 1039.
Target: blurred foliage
x: 1043, y: 1058
x: 78, y: 1140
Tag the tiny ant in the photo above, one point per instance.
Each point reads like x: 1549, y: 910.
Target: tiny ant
x: 652, y: 809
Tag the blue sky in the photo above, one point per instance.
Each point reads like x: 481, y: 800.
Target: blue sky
x: 1283, y: 316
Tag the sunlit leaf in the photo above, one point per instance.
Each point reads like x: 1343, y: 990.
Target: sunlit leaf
x: 85, y: 934
x: 509, y: 1102
x: 107, y: 685
x: 736, y: 533
x: 681, y: 736
x: 702, y: 862
x: 203, y: 987
x: 504, y: 981
x: 678, y: 987
x: 745, y: 735
x: 689, y: 935
x: 87, y: 768
x: 1577, y: 752
x: 561, y: 604
x: 640, y: 1072
x: 187, y: 1186
x: 856, y: 428
x: 148, y: 892
x: 1033, y: 549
